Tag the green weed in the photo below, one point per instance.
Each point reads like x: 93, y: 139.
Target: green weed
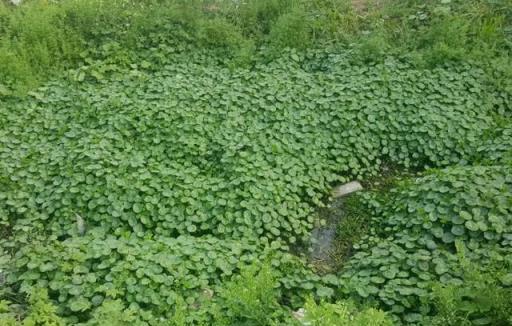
x: 292, y: 29
x: 41, y: 311
x: 482, y: 299
x: 251, y: 298
x: 343, y: 313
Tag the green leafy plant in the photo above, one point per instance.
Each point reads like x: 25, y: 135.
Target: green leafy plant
x: 483, y: 298
x: 41, y: 311
x: 112, y: 312
x: 341, y: 314
x: 292, y: 29
x: 413, y: 244
x: 174, y: 143
x: 143, y: 161
x: 250, y: 299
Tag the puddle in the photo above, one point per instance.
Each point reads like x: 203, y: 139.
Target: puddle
x: 322, y: 248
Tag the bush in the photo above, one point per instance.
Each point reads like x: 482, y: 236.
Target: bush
x: 40, y: 39
x: 219, y: 33
x: 113, y: 313
x: 34, y: 42
x: 371, y: 48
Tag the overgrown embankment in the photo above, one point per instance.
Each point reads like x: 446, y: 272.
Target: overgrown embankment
x: 193, y: 143
x: 42, y: 39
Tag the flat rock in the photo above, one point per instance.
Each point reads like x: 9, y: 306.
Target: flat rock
x: 299, y: 314
x: 346, y: 189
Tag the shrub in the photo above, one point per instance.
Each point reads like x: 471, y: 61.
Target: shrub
x: 445, y: 40
x: 113, y: 312
x: 34, y: 42
x: 372, y: 48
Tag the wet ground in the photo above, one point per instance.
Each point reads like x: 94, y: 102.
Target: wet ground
x: 323, y: 250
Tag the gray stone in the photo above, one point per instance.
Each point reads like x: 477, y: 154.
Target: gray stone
x: 346, y: 189
x: 299, y: 314
x: 16, y: 2
x: 80, y: 225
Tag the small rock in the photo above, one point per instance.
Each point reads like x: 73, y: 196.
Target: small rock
x: 16, y: 2
x: 80, y: 225
x: 299, y: 314
x: 346, y: 189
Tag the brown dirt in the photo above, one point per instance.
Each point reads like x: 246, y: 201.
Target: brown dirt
x: 364, y: 6
x: 360, y: 6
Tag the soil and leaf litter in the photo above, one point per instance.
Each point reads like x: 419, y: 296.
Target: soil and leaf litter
x: 171, y: 184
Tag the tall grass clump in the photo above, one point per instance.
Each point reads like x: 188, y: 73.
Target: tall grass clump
x: 34, y: 40
x: 256, y: 18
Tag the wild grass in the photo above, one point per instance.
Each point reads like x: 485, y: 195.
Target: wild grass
x: 41, y: 39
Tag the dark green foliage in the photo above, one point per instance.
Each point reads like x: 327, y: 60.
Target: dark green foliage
x: 179, y: 142
x: 150, y: 273
x: 149, y: 276
x: 414, y: 242
x: 481, y: 300
x: 148, y: 155
x: 142, y: 159
x: 498, y: 148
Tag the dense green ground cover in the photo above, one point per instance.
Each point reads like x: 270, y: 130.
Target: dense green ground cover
x: 169, y: 170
